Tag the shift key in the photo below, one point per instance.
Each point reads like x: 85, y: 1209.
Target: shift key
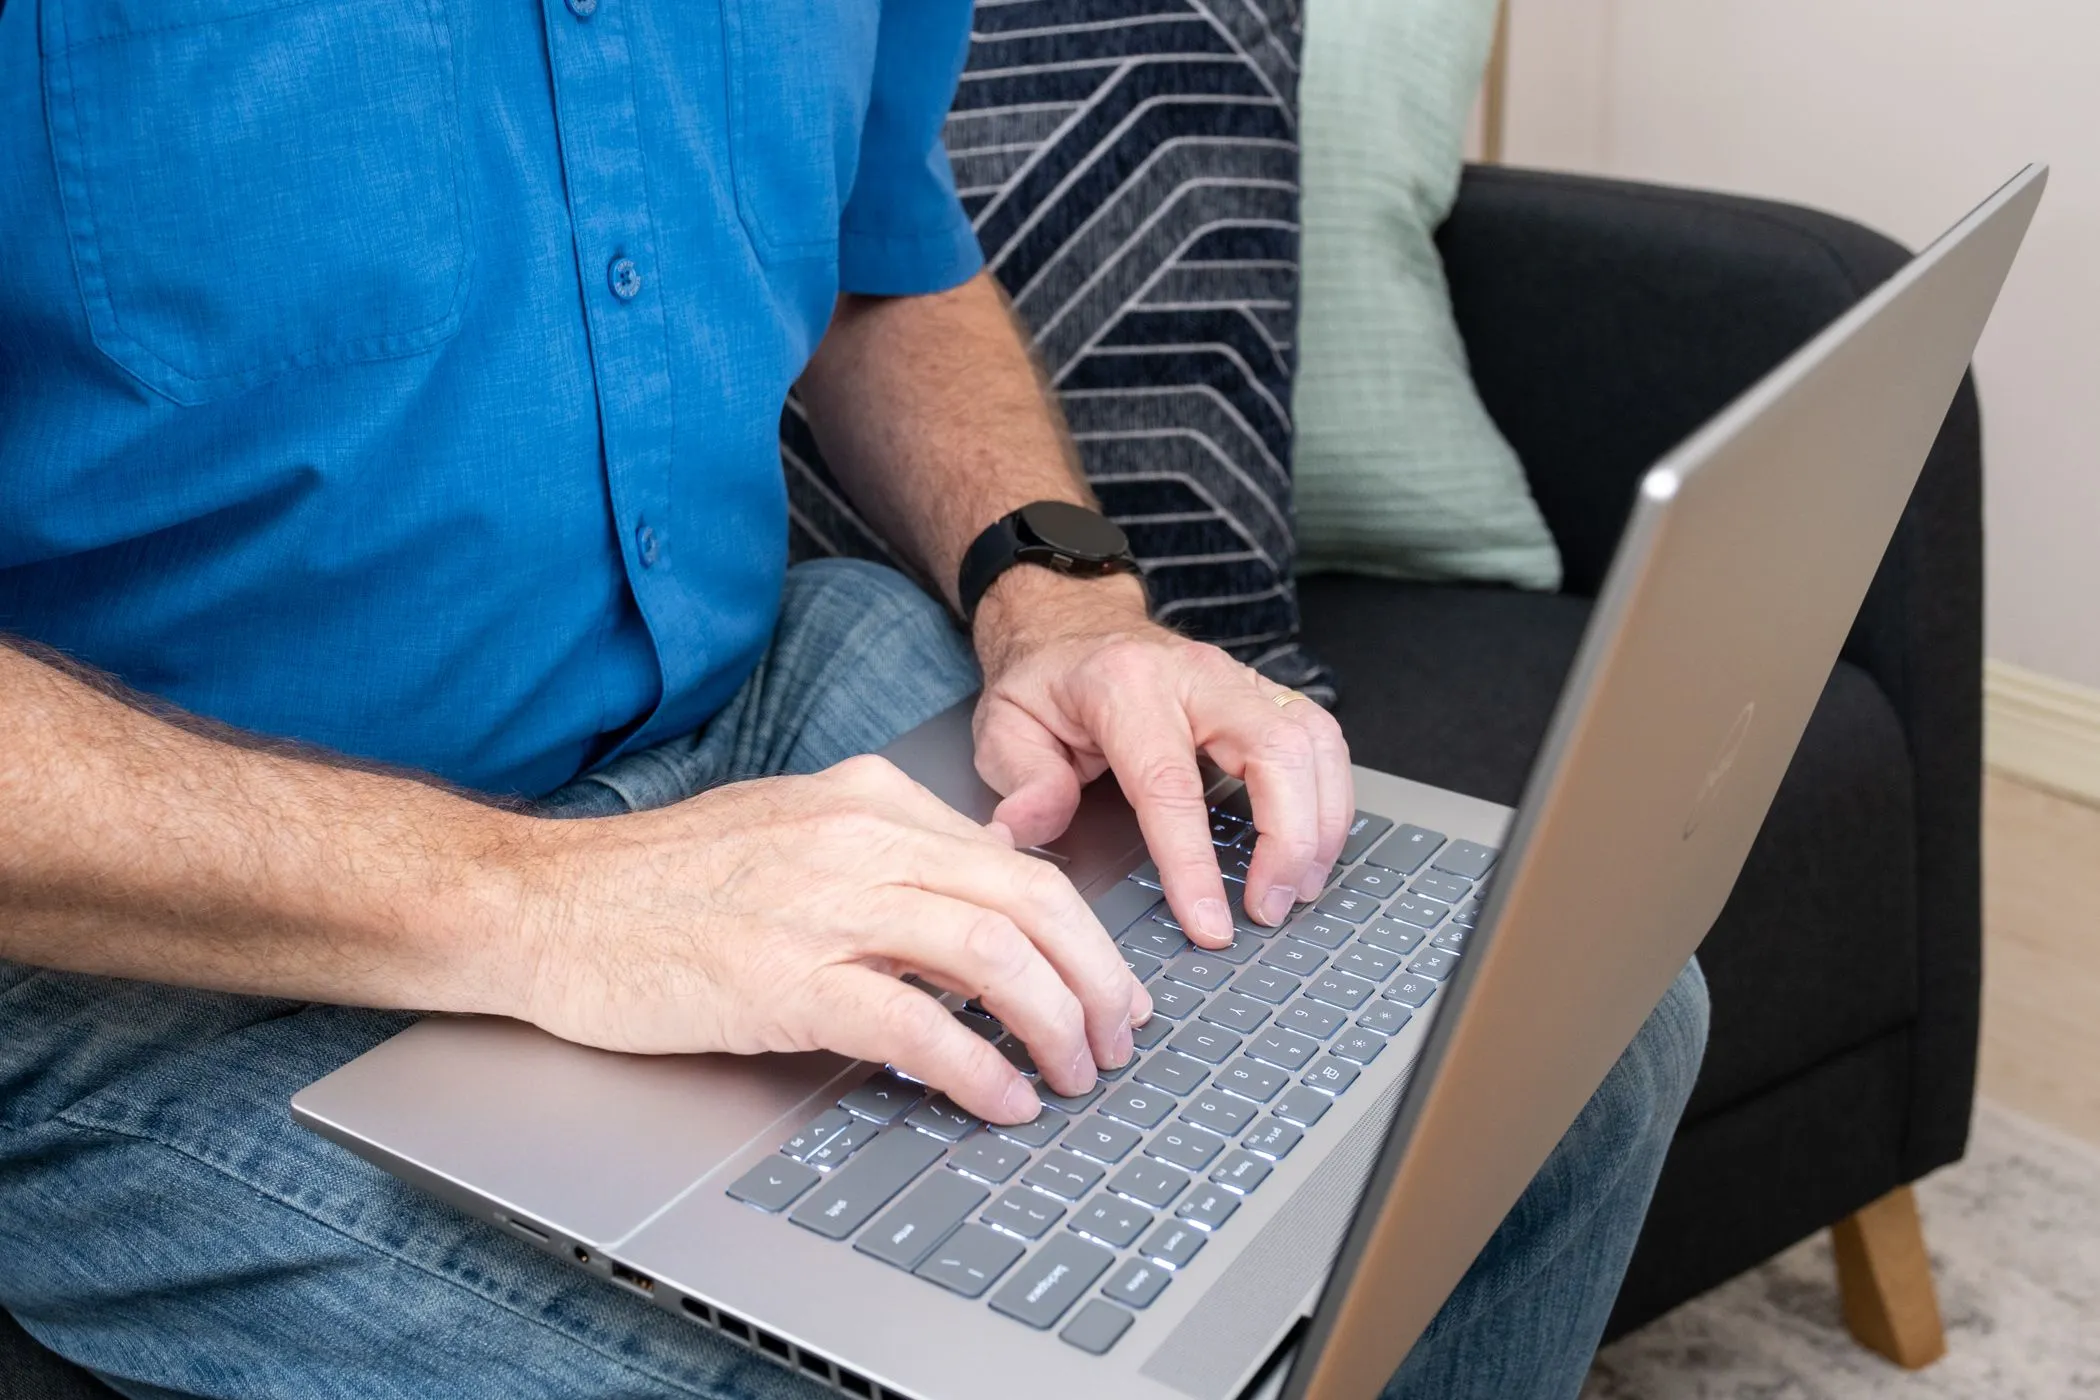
x: 1052, y: 1280
x: 865, y: 1184
x: 911, y: 1228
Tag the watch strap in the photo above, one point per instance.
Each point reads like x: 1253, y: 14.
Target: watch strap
x: 991, y: 554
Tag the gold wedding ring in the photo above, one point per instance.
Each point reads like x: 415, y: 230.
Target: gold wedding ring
x: 1285, y: 697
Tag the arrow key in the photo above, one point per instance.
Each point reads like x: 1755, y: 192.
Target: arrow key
x: 773, y: 1184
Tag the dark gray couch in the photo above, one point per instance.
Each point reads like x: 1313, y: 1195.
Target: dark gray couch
x: 1605, y: 321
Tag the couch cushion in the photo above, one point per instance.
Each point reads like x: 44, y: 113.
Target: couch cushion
x: 1131, y: 169
x: 1400, y: 471
x: 1815, y: 952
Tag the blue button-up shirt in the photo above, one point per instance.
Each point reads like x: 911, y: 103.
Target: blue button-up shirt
x: 405, y: 378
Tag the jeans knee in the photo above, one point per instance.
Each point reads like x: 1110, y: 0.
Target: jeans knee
x: 853, y: 594
x: 874, y: 652
x: 1558, y: 1257
x: 912, y: 622
x: 1662, y: 1064
x: 1633, y: 1116
x: 1687, y: 1013
x: 858, y: 584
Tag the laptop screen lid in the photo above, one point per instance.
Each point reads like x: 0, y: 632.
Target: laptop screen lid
x: 1748, y: 553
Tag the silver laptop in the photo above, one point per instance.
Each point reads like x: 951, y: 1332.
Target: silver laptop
x: 1325, y: 1123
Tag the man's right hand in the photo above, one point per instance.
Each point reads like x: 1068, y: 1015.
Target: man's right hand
x: 771, y: 915
x: 781, y: 914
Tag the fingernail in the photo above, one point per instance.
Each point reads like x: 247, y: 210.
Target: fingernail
x: 1141, y: 1007
x: 1119, y: 1053
x: 1083, y: 1070
x: 1315, y: 881
x: 1020, y: 1105
x: 1214, y: 920
x: 1276, y: 904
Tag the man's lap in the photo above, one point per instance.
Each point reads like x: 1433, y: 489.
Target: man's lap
x: 171, y: 1225
x: 179, y: 1229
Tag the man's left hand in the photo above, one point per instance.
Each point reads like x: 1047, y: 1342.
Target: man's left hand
x: 1079, y: 681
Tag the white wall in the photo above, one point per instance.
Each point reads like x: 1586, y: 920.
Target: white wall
x: 1900, y: 113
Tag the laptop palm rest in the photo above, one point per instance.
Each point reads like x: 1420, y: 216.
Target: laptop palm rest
x: 492, y: 1095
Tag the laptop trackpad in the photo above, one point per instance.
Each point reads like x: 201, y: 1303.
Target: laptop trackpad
x: 596, y: 1141
x: 1101, y: 844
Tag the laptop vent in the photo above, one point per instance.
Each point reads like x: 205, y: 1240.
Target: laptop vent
x: 786, y: 1354
x: 744, y: 1332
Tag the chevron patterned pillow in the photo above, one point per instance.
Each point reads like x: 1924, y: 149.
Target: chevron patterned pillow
x: 1131, y: 168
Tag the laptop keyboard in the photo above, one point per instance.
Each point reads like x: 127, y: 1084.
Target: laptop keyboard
x: 1104, y: 1195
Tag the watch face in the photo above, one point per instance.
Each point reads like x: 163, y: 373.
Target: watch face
x: 1074, y: 530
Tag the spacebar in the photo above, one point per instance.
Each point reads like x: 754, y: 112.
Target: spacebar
x: 865, y: 1184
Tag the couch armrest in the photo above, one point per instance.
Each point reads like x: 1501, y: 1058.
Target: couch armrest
x: 1606, y: 321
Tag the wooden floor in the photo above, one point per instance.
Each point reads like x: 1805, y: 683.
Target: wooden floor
x: 2041, y: 990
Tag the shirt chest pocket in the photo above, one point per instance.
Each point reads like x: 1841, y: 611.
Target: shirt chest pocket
x: 253, y: 187
x: 799, y: 73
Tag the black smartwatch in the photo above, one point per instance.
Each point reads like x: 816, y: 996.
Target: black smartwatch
x: 1055, y: 534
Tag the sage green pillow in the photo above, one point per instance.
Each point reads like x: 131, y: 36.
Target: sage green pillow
x: 1399, y: 470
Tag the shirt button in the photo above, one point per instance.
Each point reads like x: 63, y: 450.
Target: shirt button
x: 583, y: 9
x: 645, y: 543
x: 624, y: 278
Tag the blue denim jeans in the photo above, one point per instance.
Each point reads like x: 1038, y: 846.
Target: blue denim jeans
x: 163, y: 1222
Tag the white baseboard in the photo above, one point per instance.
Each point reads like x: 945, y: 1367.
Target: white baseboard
x: 2042, y: 730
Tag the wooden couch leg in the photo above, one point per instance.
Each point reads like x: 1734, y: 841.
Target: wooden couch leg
x: 1885, y: 1280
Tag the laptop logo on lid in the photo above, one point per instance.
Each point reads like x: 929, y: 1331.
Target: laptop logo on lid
x: 1717, y: 773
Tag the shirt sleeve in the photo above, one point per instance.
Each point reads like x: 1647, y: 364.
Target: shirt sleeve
x: 903, y: 232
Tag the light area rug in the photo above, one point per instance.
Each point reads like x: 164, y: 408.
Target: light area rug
x: 2014, y: 1231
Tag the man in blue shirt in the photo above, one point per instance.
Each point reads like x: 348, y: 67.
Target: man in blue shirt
x: 390, y: 394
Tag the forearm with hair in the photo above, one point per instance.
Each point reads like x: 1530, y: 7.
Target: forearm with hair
x: 935, y: 419
x: 137, y: 847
